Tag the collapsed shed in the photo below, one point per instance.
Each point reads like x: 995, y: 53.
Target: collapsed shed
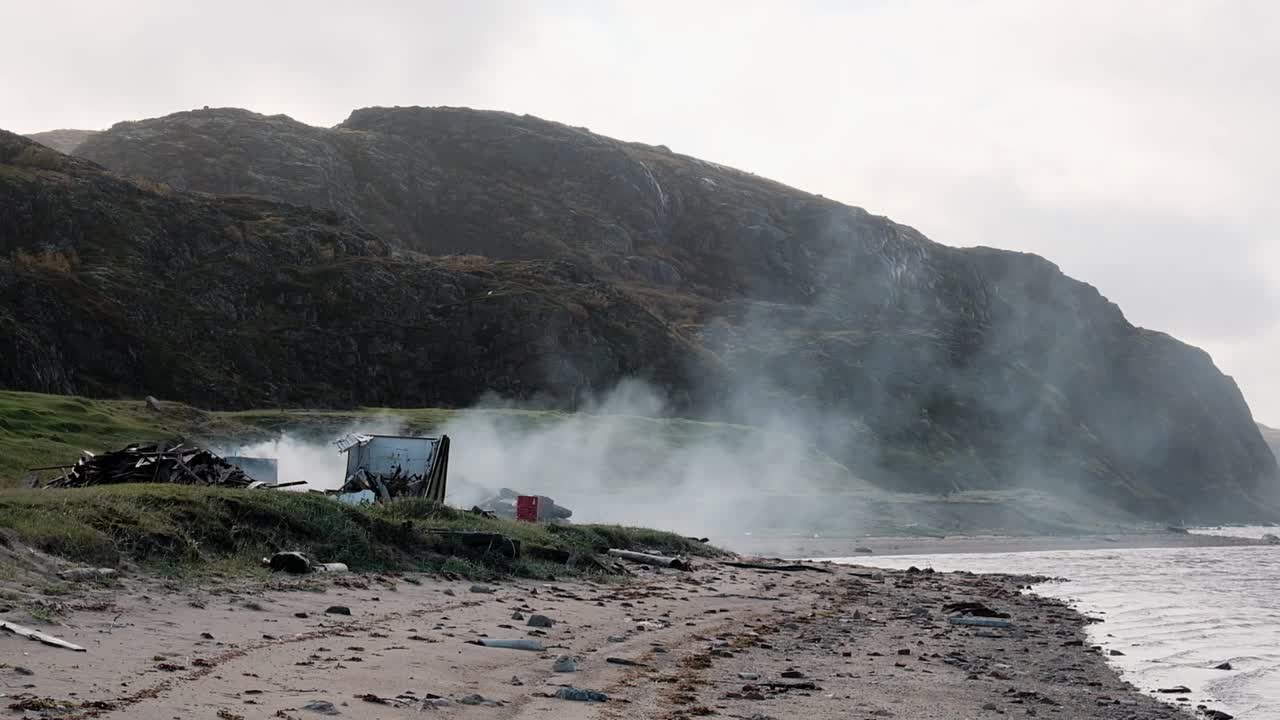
x: 393, y: 466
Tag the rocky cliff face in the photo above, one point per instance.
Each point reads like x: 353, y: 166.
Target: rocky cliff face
x: 110, y: 287
x: 1272, y: 436
x: 924, y: 367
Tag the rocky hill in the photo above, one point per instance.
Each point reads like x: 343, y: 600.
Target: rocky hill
x: 923, y: 367
x: 65, y: 141
x: 110, y: 287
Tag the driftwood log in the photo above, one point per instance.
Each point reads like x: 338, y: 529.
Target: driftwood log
x: 657, y: 560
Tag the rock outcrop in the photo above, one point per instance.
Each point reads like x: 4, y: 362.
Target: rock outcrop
x: 922, y: 366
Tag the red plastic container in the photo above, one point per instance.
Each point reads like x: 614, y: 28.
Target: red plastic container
x: 527, y: 508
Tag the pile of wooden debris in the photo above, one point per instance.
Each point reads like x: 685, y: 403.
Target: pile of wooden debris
x: 175, y: 462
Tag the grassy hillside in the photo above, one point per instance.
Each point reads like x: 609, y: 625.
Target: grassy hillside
x: 187, y: 528
x: 165, y: 527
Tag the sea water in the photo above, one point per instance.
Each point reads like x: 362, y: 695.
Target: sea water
x: 1175, y: 613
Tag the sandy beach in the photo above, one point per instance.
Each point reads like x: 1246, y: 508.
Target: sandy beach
x: 830, y: 642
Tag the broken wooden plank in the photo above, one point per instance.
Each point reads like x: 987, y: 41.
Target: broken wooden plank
x: 33, y: 634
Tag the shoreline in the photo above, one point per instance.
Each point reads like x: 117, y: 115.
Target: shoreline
x: 854, y: 547
x: 832, y: 641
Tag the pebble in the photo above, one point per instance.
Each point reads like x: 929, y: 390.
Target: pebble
x: 517, y: 615
x: 540, y: 621
x: 617, y: 638
x: 564, y: 664
x: 338, y: 610
x: 483, y: 589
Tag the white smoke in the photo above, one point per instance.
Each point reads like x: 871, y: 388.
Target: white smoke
x: 620, y: 460
x: 304, y: 457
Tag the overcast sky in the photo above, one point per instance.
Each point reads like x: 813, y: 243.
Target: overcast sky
x: 1133, y: 143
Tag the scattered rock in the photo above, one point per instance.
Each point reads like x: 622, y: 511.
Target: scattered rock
x: 1178, y: 690
x: 483, y: 589
x: 616, y: 639
x: 23, y: 671
x: 541, y: 621
x: 1114, y: 653
x: 517, y: 615
x: 450, y: 592
x: 515, y: 680
x: 564, y: 664
x: 294, y: 563
x: 323, y: 707
x: 792, y: 674
x: 573, y: 693
x: 301, y: 615
x: 748, y: 676
x: 1217, y: 715
x: 1223, y: 666
x: 338, y: 610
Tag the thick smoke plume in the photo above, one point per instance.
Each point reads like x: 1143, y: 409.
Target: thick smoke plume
x: 619, y: 460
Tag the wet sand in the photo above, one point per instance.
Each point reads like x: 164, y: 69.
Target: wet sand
x: 852, y: 642
x: 809, y: 547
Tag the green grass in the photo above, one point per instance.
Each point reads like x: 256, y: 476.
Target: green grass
x: 42, y: 430
x: 173, y: 529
